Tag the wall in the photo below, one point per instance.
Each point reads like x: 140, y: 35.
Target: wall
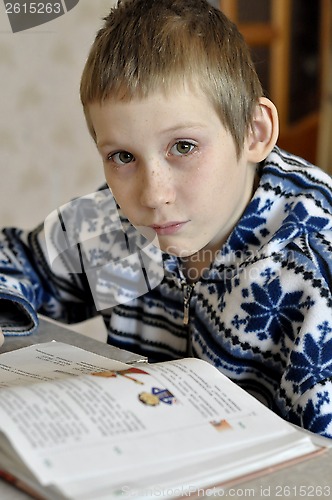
x: 46, y: 153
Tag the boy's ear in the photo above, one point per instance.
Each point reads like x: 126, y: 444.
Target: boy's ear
x: 264, y: 131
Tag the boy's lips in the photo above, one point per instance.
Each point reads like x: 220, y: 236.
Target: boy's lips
x: 168, y: 228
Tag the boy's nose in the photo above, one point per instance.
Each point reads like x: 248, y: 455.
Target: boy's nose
x: 157, y: 187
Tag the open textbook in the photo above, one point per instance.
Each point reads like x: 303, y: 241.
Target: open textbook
x: 80, y: 426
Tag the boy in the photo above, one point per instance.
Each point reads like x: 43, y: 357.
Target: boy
x: 187, y: 141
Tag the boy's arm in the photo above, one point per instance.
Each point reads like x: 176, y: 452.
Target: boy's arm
x: 307, y: 379
x: 313, y: 409
x: 84, y: 257
x: 28, y: 285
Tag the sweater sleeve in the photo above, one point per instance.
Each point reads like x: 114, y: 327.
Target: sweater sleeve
x: 306, y: 385
x: 313, y: 409
x: 29, y: 285
x: 45, y: 270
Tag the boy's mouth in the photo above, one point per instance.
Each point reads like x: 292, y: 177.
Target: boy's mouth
x: 168, y: 227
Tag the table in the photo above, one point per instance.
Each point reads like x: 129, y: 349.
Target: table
x: 309, y: 479
x: 51, y: 330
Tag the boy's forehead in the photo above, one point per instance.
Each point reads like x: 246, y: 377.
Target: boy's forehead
x: 185, y: 105
x: 175, y: 92
x: 166, y: 86
x: 179, y: 114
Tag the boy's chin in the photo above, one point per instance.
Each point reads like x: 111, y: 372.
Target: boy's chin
x: 177, y: 250
x: 182, y: 253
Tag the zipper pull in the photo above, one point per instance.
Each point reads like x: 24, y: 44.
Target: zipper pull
x: 187, y: 291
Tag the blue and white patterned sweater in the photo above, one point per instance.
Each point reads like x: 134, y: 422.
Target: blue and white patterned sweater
x: 262, y: 314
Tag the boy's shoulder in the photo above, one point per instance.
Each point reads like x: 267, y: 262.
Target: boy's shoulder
x: 292, y: 177
x: 292, y: 166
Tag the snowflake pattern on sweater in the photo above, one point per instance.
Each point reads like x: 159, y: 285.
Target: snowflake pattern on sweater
x: 262, y: 313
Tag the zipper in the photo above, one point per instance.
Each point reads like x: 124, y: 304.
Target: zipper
x: 187, y: 292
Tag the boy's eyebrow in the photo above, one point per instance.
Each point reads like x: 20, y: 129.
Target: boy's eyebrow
x: 173, y: 129
x: 181, y: 126
x: 102, y: 144
x: 188, y: 125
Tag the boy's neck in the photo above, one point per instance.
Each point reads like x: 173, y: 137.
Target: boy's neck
x: 194, y: 266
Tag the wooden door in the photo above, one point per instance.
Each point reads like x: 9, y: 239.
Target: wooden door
x: 288, y: 39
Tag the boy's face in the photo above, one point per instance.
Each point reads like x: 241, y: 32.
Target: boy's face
x: 172, y: 166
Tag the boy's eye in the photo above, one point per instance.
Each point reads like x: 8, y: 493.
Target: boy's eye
x: 121, y: 158
x: 182, y: 148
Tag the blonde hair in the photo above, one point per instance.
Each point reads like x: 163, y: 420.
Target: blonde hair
x: 149, y: 45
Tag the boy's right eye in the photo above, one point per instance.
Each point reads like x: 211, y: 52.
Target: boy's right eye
x: 121, y: 157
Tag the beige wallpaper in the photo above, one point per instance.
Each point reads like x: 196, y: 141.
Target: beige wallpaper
x: 46, y: 153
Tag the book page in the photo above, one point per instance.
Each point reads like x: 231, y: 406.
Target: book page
x: 227, y: 407
x: 198, y: 384
x: 49, y: 361
x: 88, y: 415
